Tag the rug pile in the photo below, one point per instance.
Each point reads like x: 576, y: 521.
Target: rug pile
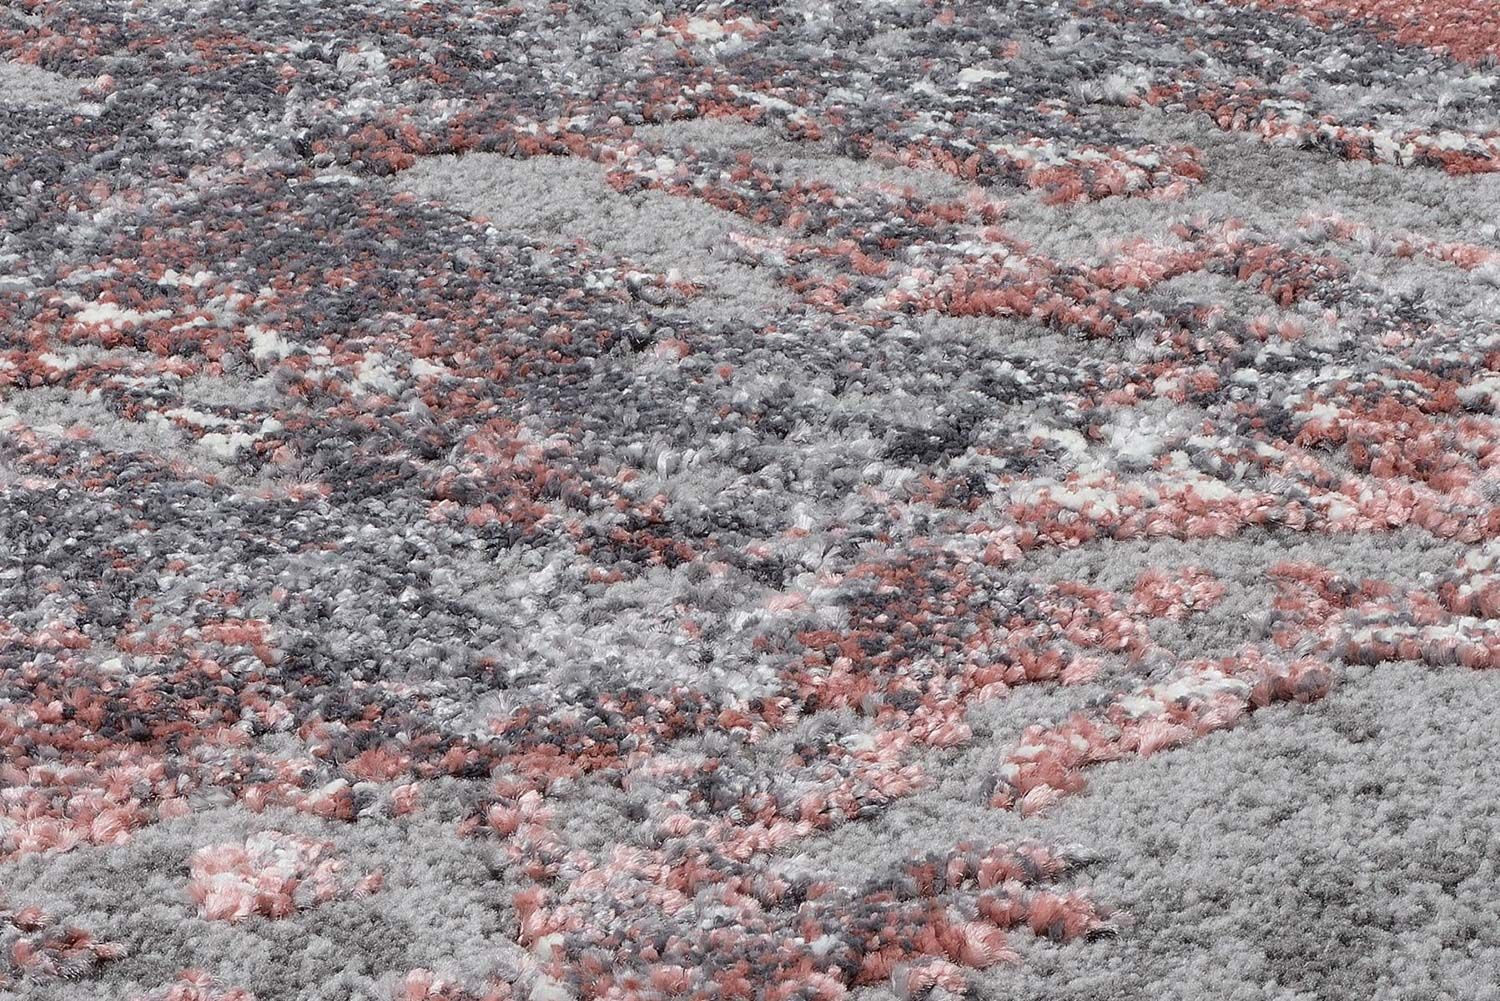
x: 773, y: 501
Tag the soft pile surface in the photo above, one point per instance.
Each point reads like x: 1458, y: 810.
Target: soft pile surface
x: 779, y: 501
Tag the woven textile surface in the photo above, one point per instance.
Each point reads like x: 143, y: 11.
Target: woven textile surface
x: 772, y: 501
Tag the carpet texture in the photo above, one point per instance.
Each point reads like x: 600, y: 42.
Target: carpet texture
x: 779, y: 501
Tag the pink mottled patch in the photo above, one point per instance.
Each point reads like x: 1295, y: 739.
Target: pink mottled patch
x: 272, y: 875
x: 196, y: 985
x: 1176, y: 594
x: 38, y: 947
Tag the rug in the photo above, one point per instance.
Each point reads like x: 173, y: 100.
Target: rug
x: 773, y: 501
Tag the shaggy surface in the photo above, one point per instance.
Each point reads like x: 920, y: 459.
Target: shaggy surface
x: 772, y: 502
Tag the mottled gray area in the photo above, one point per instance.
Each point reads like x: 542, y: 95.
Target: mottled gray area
x: 24, y: 85
x: 635, y: 638
x: 1345, y: 850
x: 567, y: 198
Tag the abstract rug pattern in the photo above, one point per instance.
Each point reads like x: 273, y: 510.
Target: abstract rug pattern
x: 775, y: 500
